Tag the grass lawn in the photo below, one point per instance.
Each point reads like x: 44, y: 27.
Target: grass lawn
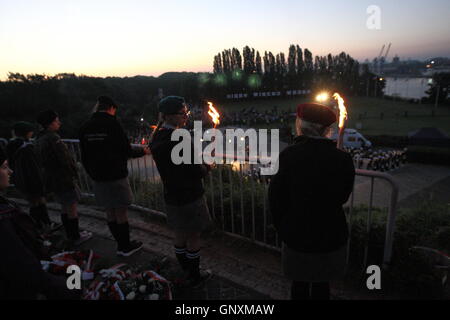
x: 367, y: 112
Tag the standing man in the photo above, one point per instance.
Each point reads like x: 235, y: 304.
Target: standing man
x: 186, y: 208
x: 27, y: 175
x: 60, y: 174
x: 105, y: 150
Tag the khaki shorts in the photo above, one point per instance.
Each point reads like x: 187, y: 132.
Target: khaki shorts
x: 113, y: 194
x: 69, y: 197
x: 192, y: 217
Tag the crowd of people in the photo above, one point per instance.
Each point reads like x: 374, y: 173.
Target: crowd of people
x: 305, y: 205
x: 377, y: 160
x: 45, y: 166
x: 247, y: 117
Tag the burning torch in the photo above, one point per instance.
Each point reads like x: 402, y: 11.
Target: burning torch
x: 215, y: 117
x: 342, y: 118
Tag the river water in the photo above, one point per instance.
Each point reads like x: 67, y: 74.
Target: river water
x: 410, y: 88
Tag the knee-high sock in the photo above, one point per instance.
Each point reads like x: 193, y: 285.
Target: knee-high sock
x: 123, y: 235
x: 113, y: 229
x: 74, y: 230
x: 34, y: 213
x: 43, y: 213
x: 193, y: 262
x: 180, y: 253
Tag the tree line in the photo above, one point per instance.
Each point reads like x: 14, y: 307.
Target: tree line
x: 73, y: 96
x: 300, y: 70
x: 22, y: 97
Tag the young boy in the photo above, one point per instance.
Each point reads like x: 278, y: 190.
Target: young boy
x: 60, y: 174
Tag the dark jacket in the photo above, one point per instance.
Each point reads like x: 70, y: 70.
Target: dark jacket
x: 21, y: 274
x: 105, y: 149
x: 27, y: 173
x: 59, y: 168
x: 306, y: 195
x: 182, y: 183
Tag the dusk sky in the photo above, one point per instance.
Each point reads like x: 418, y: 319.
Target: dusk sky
x: 150, y: 37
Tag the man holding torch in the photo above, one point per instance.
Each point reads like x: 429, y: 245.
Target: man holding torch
x: 105, y: 150
x: 306, y: 196
x: 186, y: 207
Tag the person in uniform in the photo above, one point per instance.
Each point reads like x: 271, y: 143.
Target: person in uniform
x: 105, y: 150
x: 306, y: 196
x: 60, y: 174
x: 186, y: 207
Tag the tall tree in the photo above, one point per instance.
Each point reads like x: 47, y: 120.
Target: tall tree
x: 309, y: 68
x: 292, y: 60
x: 300, y: 67
x: 249, y: 60
x: 258, y: 64
x: 237, y: 59
x: 218, y: 64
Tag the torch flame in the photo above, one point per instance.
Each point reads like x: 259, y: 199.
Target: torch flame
x: 215, y: 116
x: 153, y: 127
x: 342, y: 110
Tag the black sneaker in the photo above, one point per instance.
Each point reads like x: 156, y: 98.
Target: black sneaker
x: 133, y: 247
x: 198, y: 282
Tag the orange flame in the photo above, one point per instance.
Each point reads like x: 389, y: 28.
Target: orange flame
x: 215, y: 116
x: 342, y: 110
x: 153, y: 127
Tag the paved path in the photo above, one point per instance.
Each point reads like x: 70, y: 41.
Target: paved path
x: 242, y: 269
x: 411, y: 179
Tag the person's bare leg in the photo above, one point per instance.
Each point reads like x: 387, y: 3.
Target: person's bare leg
x: 121, y: 215
x: 111, y: 215
x: 193, y: 241
x: 71, y: 210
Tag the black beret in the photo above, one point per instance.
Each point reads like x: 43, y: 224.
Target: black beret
x: 46, y: 117
x: 171, y: 104
x: 106, y: 101
x: 316, y: 113
x: 22, y: 128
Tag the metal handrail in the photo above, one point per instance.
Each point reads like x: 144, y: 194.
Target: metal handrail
x: 231, y: 222
x: 392, y: 213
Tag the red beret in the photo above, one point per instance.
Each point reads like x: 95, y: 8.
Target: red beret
x: 316, y: 113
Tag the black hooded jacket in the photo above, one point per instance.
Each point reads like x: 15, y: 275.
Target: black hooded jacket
x: 105, y: 148
x: 306, y: 196
x: 183, y: 182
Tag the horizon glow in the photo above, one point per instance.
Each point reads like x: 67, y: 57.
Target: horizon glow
x: 137, y: 37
